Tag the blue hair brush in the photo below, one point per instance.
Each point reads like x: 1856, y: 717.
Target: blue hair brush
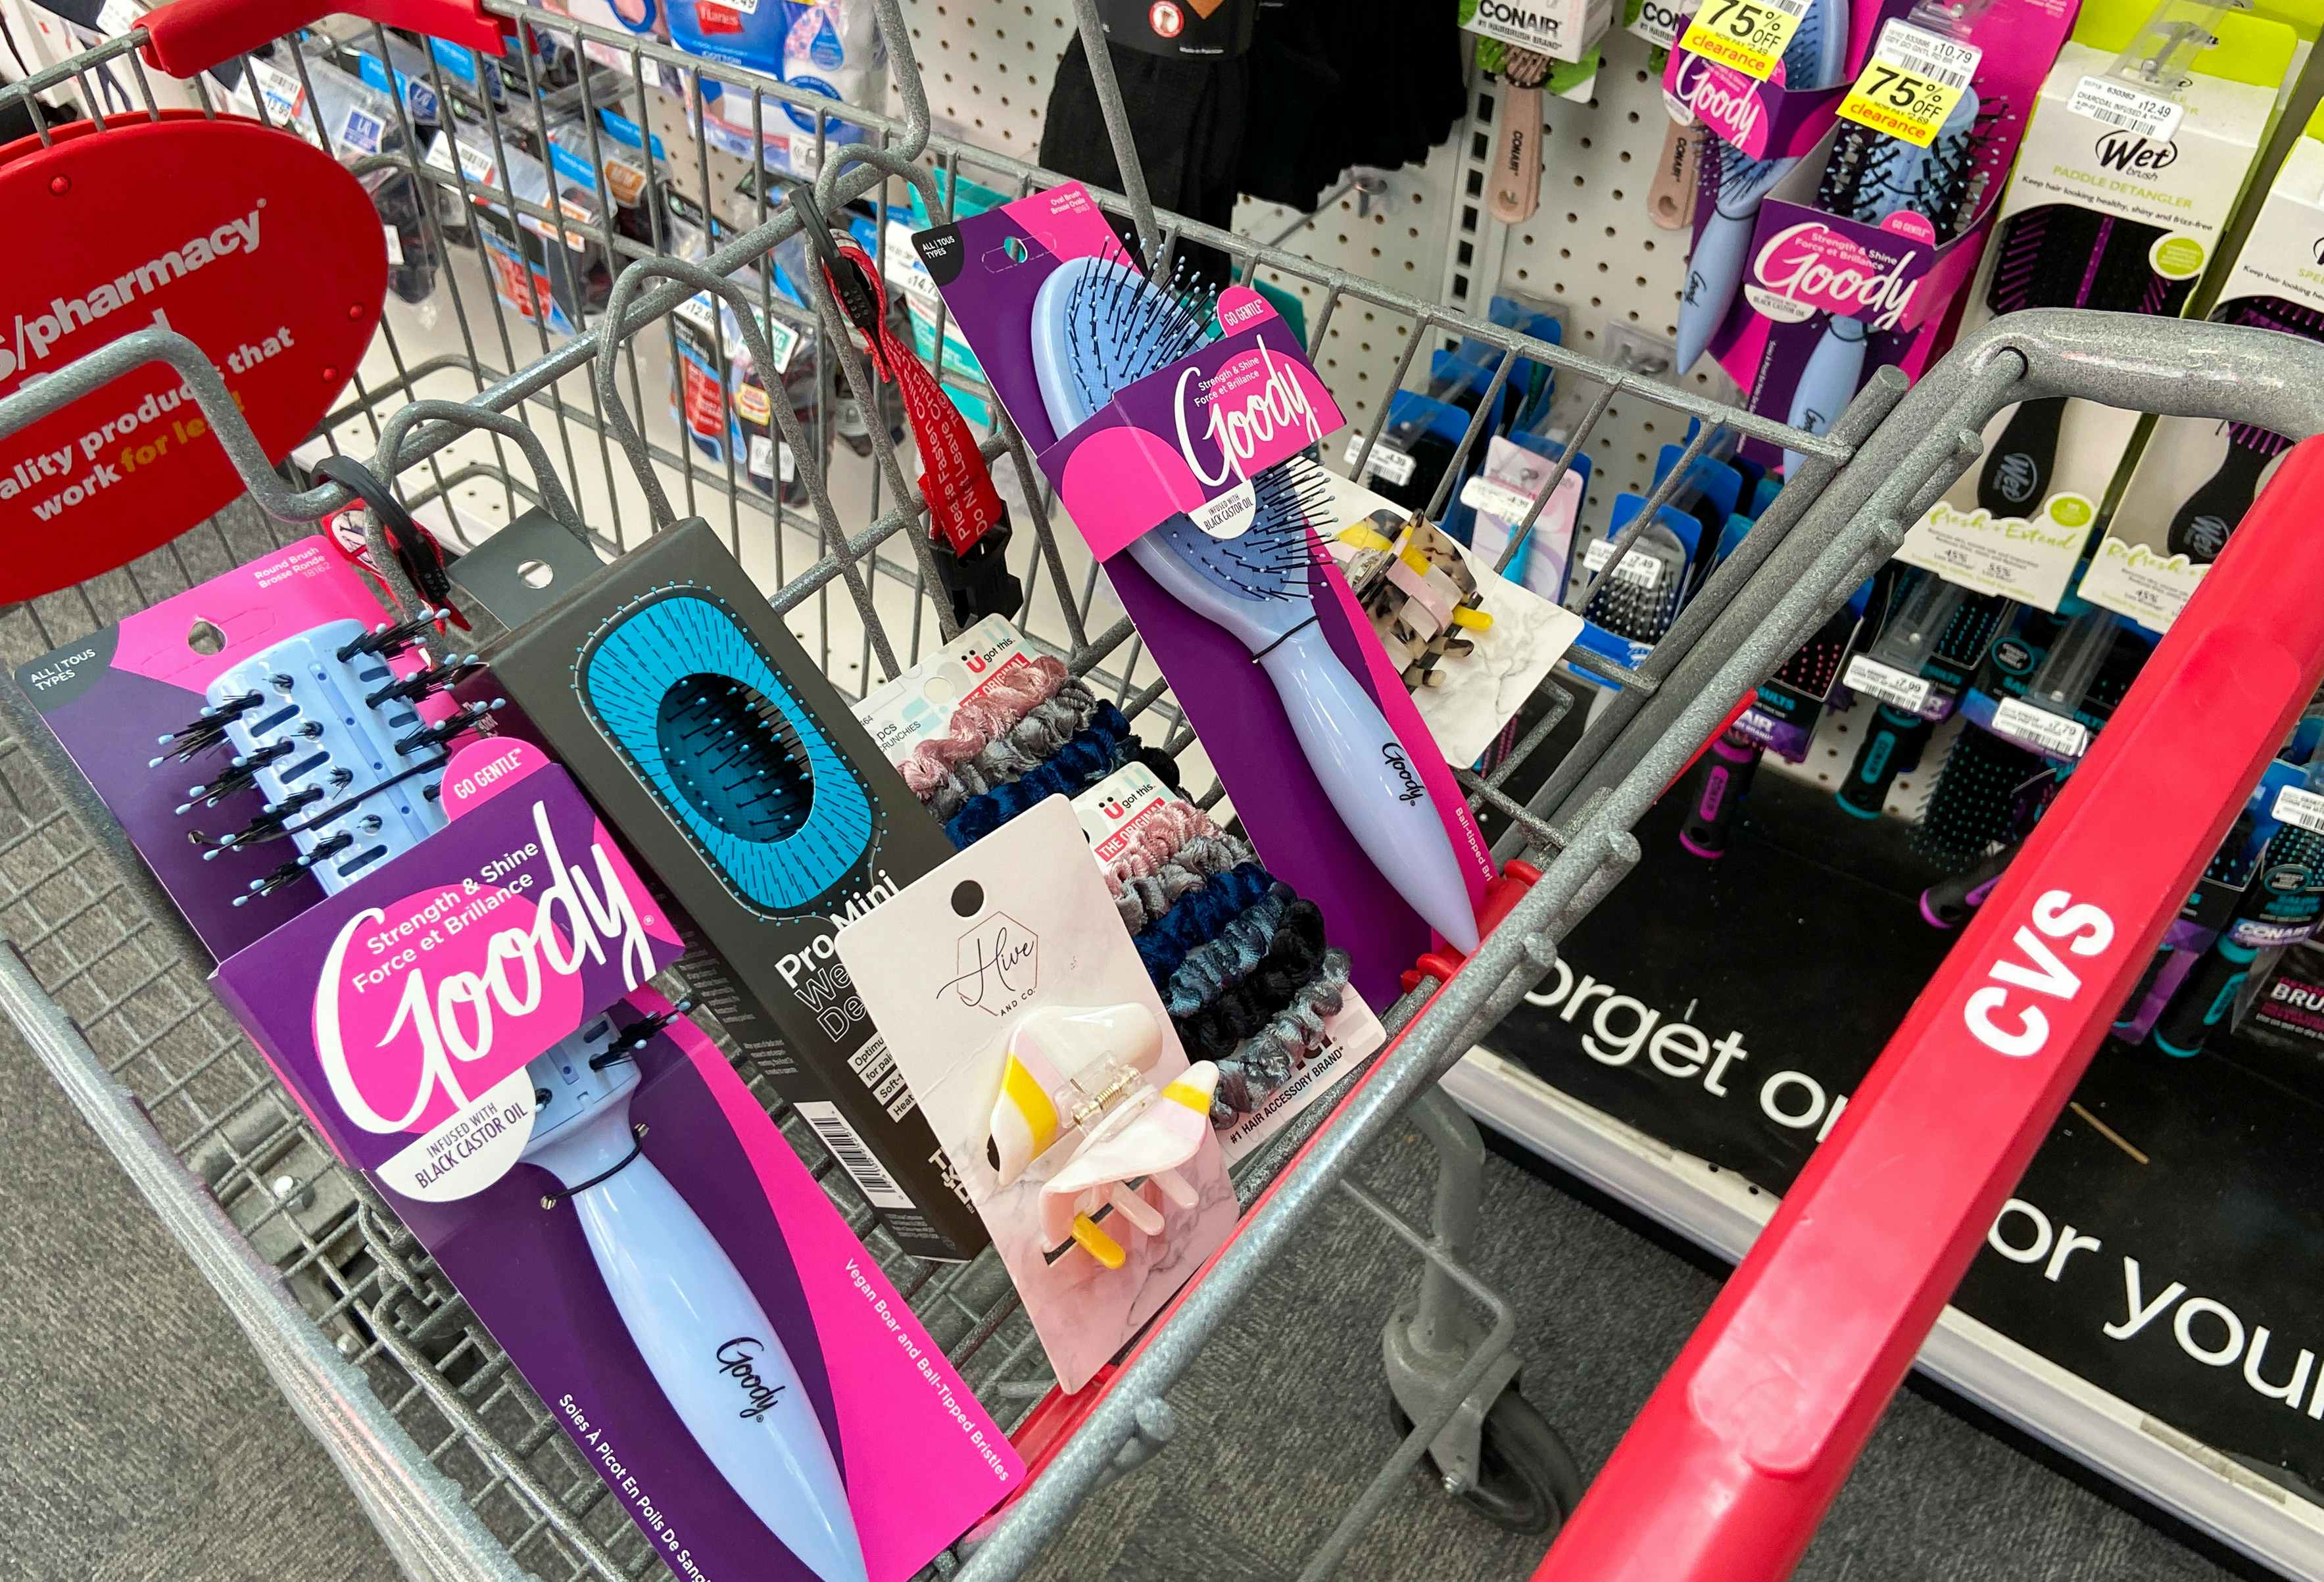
x: 1815, y: 59
x: 1098, y: 324
x: 1876, y: 176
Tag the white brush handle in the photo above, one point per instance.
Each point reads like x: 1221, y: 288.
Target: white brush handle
x: 1378, y: 795
x: 1517, y: 156
x: 712, y: 1349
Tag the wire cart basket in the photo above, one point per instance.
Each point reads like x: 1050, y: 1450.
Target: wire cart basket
x: 456, y: 1462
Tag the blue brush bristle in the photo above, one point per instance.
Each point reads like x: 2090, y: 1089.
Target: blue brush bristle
x: 774, y: 809
x: 1272, y: 559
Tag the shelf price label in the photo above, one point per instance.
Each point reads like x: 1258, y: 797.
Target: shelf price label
x: 1868, y: 676
x: 1749, y: 35
x: 1911, y: 83
x: 2029, y: 725
x: 2296, y: 804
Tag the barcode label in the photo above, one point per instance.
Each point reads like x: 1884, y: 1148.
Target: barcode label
x: 2039, y: 729
x: 1638, y: 569
x: 2297, y: 805
x: 2111, y: 103
x: 116, y: 17
x: 1885, y: 682
x: 1489, y: 494
x: 1396, y: 466
x: 394, y: 245
x: 854, y: 1156
x: 282, y: 95
x: 1932, y: 57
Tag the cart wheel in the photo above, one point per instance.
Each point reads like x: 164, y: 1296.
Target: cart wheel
x: 1527, y: 1479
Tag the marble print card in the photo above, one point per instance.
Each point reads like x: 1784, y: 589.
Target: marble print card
x: 1020, y: 1014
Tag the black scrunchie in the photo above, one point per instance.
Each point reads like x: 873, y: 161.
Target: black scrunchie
x: 1213, y: 1031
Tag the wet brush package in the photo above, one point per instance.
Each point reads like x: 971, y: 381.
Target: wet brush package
x: 2195, y: 479
x: 715, y: 747
x: 143, y: 707
x: 1034, y: 1038
x: 470, y: 1026
x: 1173, y: 428
x: 1859, y: 253
x: 2111, y: 207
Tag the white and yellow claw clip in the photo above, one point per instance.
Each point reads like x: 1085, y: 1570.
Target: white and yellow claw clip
x: 1087, y: 1069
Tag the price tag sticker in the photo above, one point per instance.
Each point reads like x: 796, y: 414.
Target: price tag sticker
x: 1395, y: 466
x: 116, y: 17
x: 2296, y: 804
x: 2115, y: 103
x: 1490, y: 494
x: 1749, y: 35
x: 1638, y: 569
x: 1870, y: 676
x: 2040, y: 730
x: 1911, y: 83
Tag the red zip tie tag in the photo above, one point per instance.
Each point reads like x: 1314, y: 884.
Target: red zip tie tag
x: 958, y: 485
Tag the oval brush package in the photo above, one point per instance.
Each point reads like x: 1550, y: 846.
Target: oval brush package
x: 468, y: 1022
x: 1034, y: 1038
x: 2142, y: 138
x: 1860, y: 253
x: 2194, y: 478
x: 675, y: 695
x: 1173, y: 428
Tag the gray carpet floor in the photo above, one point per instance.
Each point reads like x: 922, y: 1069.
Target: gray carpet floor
x: 138, y: 1438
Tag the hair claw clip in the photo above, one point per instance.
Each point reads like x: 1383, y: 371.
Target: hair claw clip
x: 1089, y: 1070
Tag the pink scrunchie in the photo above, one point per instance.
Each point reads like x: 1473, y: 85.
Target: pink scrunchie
x: 1006, y: 700
x: 1166, y: 829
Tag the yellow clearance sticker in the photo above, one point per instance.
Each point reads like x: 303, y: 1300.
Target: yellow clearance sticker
x: 1749, y: 35
x: 1911, y: 83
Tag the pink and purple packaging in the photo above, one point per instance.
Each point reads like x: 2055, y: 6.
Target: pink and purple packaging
x: 110, y: 697
x: 436, y: 979
x: 1805, y: 263
x: 1172, y: 442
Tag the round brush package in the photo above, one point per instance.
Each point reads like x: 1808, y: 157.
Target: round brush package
x: 2141, y: 137
x: 1032, y: 1035
x: 2194, y: 478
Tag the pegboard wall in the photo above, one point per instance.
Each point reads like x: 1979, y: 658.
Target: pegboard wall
x: 1592, y: 247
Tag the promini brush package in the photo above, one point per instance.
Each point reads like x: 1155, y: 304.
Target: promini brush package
x: 2195, y: 478
x: 469, y: 1025
x: 715, y: 747
x: 2118, y: 201
x: 1173, y: 426
x: 1031, y: 1032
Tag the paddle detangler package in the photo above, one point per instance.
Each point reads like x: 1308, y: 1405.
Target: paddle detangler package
x: 713, y: 744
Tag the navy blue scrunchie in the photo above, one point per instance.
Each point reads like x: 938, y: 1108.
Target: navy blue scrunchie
x: 1096, y: 751
x: 1197, y: 918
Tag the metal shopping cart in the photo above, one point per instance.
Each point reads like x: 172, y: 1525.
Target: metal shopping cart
x: 456, y: 1461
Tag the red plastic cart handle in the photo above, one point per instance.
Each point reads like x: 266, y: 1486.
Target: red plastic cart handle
x: 187, y: 37
x: 1727, y: 1472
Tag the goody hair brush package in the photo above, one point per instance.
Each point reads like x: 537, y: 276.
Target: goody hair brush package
x: 1857, y: 255
x: 146, y: 708
x: 1173, y: 428
x: 2112, y: 209
x: 609, y: 1198
x: 2195, y: 479
x: 713, y: 744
